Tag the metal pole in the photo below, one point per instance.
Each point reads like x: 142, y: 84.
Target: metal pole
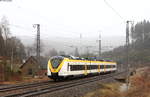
x: 12, y: 57
x: 87, y: 51
x: 99, y: 46
x: 74, y: 47
x: 127, y: 51
x: 143, y: 34
x: 38, y: 42
x: 80, y: 44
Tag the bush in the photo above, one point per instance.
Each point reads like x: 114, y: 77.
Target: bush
x: 140, y: 85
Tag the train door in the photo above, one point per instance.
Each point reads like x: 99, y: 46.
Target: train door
x: 98, y: 68
x: 68, y: 67
x: 104, y: 68
x: 85, y: 71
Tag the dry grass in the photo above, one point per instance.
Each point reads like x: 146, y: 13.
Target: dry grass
x: 107, y: 90
x: 140, y: 87
x: 27, y: 80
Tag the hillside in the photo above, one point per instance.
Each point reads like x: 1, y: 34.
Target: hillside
x: 139, y: 48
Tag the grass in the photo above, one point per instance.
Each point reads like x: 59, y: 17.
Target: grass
x: 140, y: 87
x: 107, y: 90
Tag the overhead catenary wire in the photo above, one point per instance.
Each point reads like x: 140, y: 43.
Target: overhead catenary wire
x: 46, y: 19
x: 43, y: 28
x: 127, y: 43
x: 114, y: 10
x: 29, y: 29
x: 20, y: 27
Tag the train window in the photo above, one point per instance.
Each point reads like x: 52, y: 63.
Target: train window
x: 94, y: 66
x: 101, y: 66
x: 114, y: 66
x: 56, y: 61
x: 77, y: 67
x: 89, y: 67
x: 108, y: 66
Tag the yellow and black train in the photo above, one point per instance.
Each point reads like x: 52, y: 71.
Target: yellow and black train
x: 60, y: 67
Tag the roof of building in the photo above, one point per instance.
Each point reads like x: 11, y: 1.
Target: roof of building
x: 31, y: 57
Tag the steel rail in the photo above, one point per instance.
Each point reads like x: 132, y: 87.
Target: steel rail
x: 62, y: 86
x: 22, y: 86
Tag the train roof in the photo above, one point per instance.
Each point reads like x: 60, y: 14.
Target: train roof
x: 81, y: 58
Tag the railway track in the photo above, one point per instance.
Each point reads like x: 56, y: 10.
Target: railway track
x: 60, y: 86
x: 22, y: 86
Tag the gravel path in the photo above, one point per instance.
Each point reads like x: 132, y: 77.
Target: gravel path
x: 78, y: 91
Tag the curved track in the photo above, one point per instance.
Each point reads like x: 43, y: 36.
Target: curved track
x: 22, y: 86
x: 49, y: 88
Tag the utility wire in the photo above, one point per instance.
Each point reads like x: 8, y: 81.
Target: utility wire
x: 20, y: 27
x: 41, y: 17
x: 29, y: 29
x: 117, y: 13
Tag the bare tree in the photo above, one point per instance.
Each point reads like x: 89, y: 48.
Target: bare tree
x: 30, y: 51
x: 53, y: 52
x: 5, y: 31
x: 15, y: 45
x: 1, y: 43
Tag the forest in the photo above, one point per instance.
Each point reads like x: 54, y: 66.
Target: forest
x: 139, y: 47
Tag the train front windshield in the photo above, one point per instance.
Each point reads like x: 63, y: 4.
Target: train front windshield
x: 56, y: 61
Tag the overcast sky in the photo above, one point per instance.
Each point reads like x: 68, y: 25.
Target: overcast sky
x: 69, y: 18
